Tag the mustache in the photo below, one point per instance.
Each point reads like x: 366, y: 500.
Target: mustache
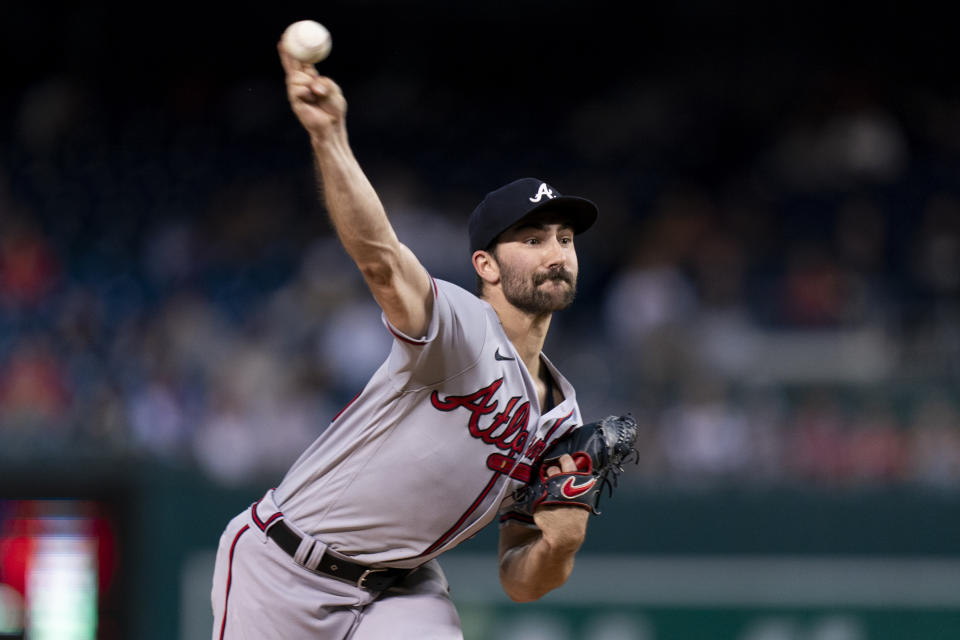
x: 554, y: 274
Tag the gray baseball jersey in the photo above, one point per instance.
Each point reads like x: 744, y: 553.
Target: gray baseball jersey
x: 433, y: 447
x: 424, y: 457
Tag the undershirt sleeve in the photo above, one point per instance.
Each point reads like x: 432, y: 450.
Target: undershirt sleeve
x: 513, y: 514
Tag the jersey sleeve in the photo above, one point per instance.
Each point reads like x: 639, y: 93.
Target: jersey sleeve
x: 452, y: 343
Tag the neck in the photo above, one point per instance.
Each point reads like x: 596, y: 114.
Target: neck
x: 526, y: 331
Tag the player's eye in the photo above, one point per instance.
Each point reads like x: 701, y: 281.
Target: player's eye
x: 532, y: 241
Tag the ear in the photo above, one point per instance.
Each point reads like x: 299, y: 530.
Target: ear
x: 486, y: 267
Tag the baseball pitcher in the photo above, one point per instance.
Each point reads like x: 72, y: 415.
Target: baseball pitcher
x: 466, y: 421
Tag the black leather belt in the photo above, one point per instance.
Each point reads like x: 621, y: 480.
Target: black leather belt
x: 360, y: 575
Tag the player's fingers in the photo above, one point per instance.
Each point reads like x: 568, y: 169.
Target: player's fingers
x: 322, y: 85
x: 300, y: 78
x: 291, y: 65
x: 327, y: 92
x: 302, y: 93
x: 567, y: 464
x: 564, y: 464
x: 309, y: 89
x: 286, y: 59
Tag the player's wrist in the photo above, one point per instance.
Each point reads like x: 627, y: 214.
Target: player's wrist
x: 327, y: 134
x: 563, y: 530
x: 330, y: 141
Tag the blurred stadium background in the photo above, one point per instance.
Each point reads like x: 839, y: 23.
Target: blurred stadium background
x: 773, y: 288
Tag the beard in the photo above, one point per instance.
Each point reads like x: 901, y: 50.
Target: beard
x: 525, y: 292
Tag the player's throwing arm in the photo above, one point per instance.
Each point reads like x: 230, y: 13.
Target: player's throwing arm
x: 396, y: 278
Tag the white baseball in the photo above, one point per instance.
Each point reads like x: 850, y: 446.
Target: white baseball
x: 307, y: 41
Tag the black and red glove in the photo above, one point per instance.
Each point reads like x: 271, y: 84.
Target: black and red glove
x: 599, y: 450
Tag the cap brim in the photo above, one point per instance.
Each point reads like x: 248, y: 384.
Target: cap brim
x: 579, y: 212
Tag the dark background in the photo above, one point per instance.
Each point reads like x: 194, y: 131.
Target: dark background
x: 159, y: 219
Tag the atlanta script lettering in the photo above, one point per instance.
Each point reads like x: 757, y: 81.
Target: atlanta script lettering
x: 507, y: 429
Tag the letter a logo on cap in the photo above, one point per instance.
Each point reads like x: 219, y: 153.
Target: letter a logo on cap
x: 544, y: 190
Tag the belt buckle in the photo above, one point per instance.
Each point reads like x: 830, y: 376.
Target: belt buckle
x: 366, y: 573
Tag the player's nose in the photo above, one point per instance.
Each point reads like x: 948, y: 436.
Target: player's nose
x: 553, y: 252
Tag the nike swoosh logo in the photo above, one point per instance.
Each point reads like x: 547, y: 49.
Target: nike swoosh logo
x: 500, y: 357
x: 570, y: 489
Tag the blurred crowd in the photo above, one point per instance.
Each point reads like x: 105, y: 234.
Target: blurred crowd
x: 776, y: 298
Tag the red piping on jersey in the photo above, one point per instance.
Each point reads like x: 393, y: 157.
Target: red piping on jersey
x: 476, y: 503
x: 263, y: 525
x: 226, y: 599
x: 418, y: 343
x: 557, y: 424
x: 409, y: 340
x: 340, y: 413
x: 453, y: 529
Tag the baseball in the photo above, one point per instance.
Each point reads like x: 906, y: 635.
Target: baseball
x: 307, y: 41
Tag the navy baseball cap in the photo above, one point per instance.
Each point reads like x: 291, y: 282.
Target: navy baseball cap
x: 502, y: 208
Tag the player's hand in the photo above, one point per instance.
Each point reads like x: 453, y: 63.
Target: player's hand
x: 316, y: 100
x: 563, y: 527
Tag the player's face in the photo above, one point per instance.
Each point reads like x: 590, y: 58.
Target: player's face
x: 538, y: 266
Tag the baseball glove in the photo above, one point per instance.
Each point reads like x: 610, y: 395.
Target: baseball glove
x: 599, y: 450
